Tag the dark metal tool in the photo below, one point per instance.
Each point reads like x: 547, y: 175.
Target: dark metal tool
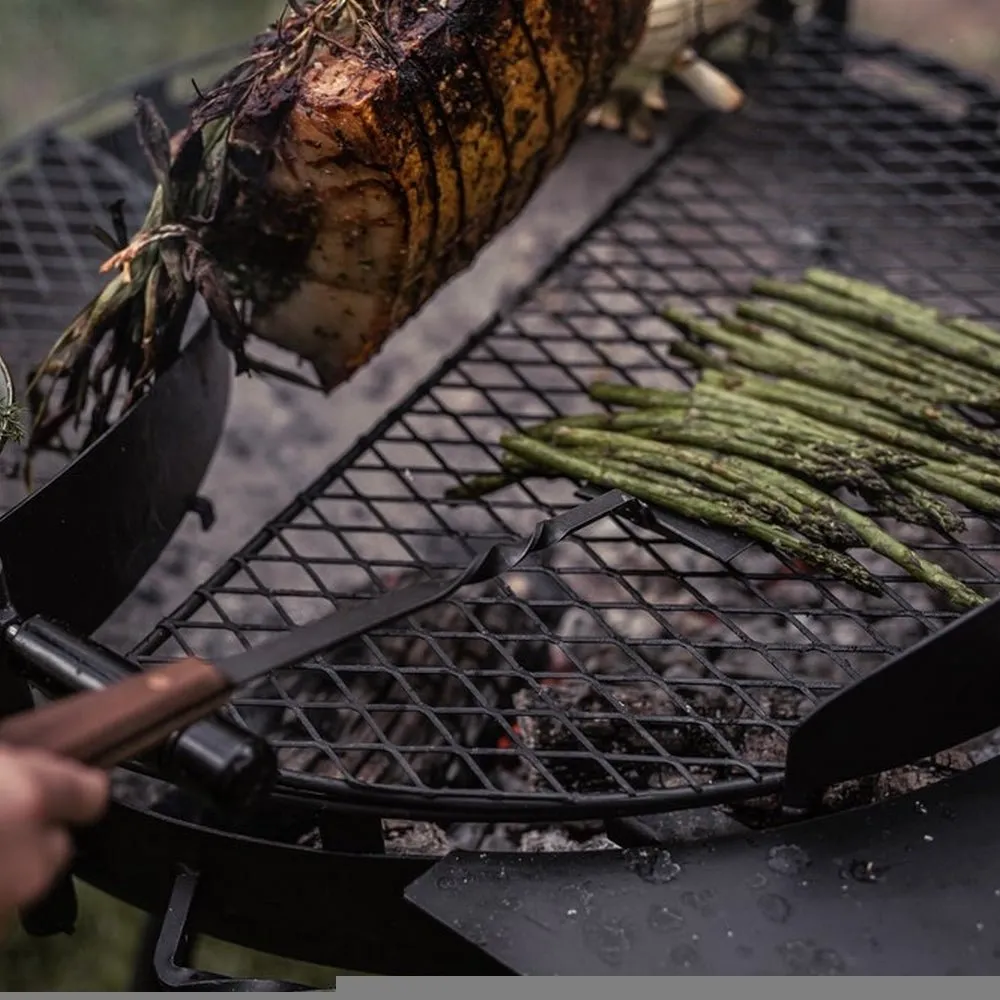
x: 716, y: 542
x: 941, y: 692
x: 109, y: 726
x: 215, y: 757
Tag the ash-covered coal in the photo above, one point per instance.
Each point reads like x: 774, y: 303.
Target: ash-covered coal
x: 390, y: 708
x: 423, y: 838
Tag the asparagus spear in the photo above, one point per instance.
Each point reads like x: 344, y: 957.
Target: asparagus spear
x: 904, y: 500
x: 708, y: 399
x: 695, y: 355
x: 829, y: 408
x: 640, y: 397
x: 773, y: 413
x: 766, y: 321
x: 932, y: 366
x: 875, y: 538
x: 984, y: 480
x: 891, y: 394
x: 936, y: 336
x: 860, y: 462
x: 857, y: 458
x: 937, y: 384
x: 720, y: 510
x: 916, y: 402
x: 973, y: 328
x: 899, y: 498
x: 832, y: 471
x: 839, y: 374
x: 920, y: 506
x: 705, y: 468
x: 944, y: 481
x: 865, y: 292
x: 672, y: 475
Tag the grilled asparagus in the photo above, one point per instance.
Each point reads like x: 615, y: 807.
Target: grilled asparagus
x: 360, y: 157
x: 853, y: 386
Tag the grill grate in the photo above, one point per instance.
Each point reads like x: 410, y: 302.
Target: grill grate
x: 627, y: 672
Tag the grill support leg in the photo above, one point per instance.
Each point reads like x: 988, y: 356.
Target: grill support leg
x: 162, y: 963
x: 144, y: 978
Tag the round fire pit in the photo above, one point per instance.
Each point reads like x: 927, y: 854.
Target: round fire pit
x: 579, y: 766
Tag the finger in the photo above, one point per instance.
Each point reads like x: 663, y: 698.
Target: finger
x: 40, y: 786
x: 31, y: 864
x: 49, y: 856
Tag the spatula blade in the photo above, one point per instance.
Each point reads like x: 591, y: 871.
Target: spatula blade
x: 939, y: 693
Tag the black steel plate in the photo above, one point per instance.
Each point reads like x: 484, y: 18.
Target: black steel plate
x: 906, y: 888
x: 79, y: 544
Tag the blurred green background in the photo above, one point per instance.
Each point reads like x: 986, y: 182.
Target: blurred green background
x: 55, y: 51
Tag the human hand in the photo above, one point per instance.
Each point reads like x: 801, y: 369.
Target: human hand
x: 41, y: 796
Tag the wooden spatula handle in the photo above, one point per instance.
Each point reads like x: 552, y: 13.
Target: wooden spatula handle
x: 108, y: 726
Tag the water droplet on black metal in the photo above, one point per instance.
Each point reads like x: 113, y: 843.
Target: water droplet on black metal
x: 608, y: 938
x: 447, y: 882
x: 758, y: 881
x: 702, y: 901
x: 685, y: 956
x: 662, y: 918
x: 775, y: 908
x: 787, y: 859
x: 806, y: 958
x: 475, y: 933
x: 652, y: 865
x: 865, y: 871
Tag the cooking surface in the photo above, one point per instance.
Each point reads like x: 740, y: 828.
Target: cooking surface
x: 627, y: 670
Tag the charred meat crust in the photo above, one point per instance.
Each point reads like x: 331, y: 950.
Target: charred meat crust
x: 378, y: 173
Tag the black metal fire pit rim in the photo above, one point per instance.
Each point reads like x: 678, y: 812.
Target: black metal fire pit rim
x: 107, y: 514
x: 458, y: 806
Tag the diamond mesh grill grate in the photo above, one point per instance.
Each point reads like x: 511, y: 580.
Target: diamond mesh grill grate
x: 626, y: 672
